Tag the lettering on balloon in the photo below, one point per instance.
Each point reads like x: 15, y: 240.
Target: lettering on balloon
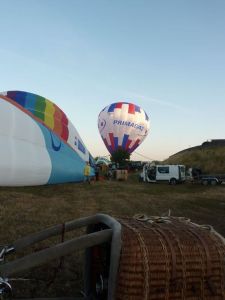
x: 129, y: 124
x: 81, y: 147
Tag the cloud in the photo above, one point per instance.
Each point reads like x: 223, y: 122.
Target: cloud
x: 159, y: 102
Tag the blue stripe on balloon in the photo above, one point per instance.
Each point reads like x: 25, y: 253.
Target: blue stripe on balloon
x: 11, y: 95
x: 137, y: 108
x: 18, y: 97
x: 110, y: 149
x: 125, y: 139
x: 81, y: 147
x: 115, y: 142
x: 56, y: 144
x: 112, y: 107
x: 30, y: 102
x: 146, y: 117
x: 67, y: 165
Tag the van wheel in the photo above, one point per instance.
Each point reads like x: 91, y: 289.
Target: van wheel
x: 173, y: 181
x: 140, y: 179
x: 213, y: 182
x: 205, y: 182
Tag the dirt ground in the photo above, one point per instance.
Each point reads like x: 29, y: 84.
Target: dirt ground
x: 26, y: 210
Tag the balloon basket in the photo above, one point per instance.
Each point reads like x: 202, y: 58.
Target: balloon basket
x: 131, y: 258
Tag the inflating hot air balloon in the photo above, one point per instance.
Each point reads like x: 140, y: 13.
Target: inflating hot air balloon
x: 123, y: 125
x: 38, y: 144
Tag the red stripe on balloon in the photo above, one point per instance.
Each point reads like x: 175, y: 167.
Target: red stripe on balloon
x: 57, y: 113
x: 112, y: 140
x: 128, y: 144
x: 131, y: 109
x: 65, y: 133
x: 135, y: 145
x: 27, y: 112
x: 119, y: 105
x: 64, y: 119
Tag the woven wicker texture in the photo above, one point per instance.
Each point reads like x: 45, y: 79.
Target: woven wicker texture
x: 170, y: 258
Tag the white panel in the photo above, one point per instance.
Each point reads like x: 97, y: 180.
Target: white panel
x: 74, y: 135
x: 118, y: 130
x: 24, y: 159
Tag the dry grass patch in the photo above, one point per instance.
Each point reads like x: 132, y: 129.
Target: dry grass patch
x: 30, y: 209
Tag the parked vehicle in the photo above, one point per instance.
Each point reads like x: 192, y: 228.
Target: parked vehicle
x: 212, y: 180
x: 196, y: 176
x: 155, y: 173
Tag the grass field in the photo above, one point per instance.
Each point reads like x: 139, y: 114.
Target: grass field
x: 30, y: 209
x: 209, y: 159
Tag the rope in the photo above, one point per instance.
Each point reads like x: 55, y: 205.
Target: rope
x: 61, y: 260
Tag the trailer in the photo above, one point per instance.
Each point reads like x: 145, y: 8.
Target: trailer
x: 195, y: 175
x: 172, y: 174
x: 210, y: 180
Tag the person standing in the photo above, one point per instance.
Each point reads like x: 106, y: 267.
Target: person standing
x: 87, y: 172
x: 97, y: 170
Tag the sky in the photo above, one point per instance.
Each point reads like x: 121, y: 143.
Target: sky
x: 166, y: 56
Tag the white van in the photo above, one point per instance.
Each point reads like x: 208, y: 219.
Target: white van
x: 172, y: 173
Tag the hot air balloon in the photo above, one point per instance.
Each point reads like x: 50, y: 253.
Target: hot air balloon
x: 38, y: 144
x: 123, y: 125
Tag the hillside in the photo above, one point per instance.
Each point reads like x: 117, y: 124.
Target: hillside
x: 210, y: 159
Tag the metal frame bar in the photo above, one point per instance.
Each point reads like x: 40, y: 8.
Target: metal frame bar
x: 112, y: 234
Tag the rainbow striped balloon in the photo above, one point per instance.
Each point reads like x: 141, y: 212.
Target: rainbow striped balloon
x: 43, y: 110
x: 38, y: 143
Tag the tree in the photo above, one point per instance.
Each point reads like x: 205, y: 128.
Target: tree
x: 120, y: 156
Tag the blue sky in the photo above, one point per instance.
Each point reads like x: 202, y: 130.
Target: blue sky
x: 166, y: 56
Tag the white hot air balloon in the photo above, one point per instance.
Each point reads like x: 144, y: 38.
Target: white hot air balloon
x: 38, y: 143
x: 123, y: 125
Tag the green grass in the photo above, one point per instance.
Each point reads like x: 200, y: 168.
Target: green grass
x: 208, y: 159
x: 29, y: 209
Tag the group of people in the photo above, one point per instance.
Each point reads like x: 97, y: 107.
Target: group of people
x: 87, y: 173
x: 107, y: 171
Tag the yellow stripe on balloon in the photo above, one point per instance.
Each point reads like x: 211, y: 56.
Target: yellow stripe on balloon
x: 49, y: 114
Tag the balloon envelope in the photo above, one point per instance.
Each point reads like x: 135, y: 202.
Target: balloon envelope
x: 38, y: 143
x: 123, y: 125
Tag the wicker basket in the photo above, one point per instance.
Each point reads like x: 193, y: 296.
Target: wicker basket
x: 170, y: 258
